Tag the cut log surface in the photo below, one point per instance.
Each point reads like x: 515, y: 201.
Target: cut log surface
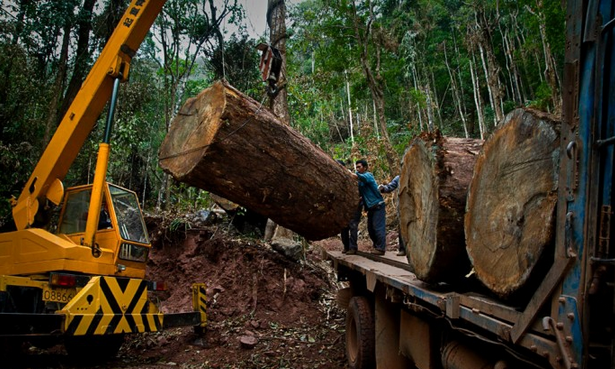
x: 227, y: 143
x: 435, y: 176
x: 509, y: 223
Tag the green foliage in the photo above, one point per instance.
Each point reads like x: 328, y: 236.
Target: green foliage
x: 179, y: 225
x: 543, y: 98
x: 418, y: 51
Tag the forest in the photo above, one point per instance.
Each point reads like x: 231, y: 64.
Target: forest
x: 362, y: 78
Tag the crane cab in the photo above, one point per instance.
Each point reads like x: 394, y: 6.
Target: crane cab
x: 121, y: 227
x: 121, y: 246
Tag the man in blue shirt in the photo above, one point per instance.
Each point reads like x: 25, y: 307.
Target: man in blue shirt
x: 374, y: 203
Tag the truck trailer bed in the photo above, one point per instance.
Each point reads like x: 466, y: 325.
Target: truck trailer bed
x: 494, y: 319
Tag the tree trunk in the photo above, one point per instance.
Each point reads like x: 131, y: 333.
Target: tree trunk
x: 432, y: 195
x: 457, y: 93
x: 82, y: 55
x: 416, y: 88
x: 511, y: 201
x: 492, y: 67
x: 276, y: 19
x: 375, y: 84
x: 225, y: 142
x: 52, y: 111
x: 477, y: 99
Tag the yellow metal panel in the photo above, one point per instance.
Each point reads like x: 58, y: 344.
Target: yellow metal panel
x: 36, y: 251
x: 56, y: 192
x: 24, y: 211
x: 6, y: 280
x: 109, y: 305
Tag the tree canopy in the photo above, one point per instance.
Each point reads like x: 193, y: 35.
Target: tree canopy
x: 363, y: 77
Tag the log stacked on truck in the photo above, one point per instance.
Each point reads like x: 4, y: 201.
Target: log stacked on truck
x: 436, y: 172
x: 229, y: 144
x: 509, y: 223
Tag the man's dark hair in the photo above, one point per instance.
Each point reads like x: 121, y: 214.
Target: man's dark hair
x: 363, y: 162
x: 341, y: 162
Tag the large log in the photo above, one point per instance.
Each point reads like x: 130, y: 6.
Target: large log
x: 435, y: 175
x: 509, y: 223
x: 229, y: 144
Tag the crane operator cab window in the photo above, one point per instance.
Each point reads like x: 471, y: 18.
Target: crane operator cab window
x: 124, y: 206
x: 129, y: 219
x: 76, y: 213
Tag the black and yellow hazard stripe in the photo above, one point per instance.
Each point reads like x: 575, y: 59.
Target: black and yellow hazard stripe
x: 108, y: 305
x: 199, y: 301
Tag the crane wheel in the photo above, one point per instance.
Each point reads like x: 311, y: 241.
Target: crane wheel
x: 87, y: 349
x: 360, y: 334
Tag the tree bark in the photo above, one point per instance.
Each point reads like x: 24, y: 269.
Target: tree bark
x: 225, y: 142
x: 511, y: 201
x: 435, y: 175
x: 276, y: 20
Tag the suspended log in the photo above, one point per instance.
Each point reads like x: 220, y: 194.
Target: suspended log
x: 434, y: 179
x: 229, y: 144
x: 509, y: 224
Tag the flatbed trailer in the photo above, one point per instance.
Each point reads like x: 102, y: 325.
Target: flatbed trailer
x: 397, y: 296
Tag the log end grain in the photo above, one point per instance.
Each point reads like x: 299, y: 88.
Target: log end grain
x: 510, y: 217
x: 433, y: 183
x: 192, y: 131
x: 417, y: 209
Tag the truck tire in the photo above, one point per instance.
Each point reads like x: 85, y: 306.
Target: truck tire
x: 88, y: 349
x: 360, y: 336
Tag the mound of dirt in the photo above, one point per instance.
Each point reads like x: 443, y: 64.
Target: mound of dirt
x: 264, y: 310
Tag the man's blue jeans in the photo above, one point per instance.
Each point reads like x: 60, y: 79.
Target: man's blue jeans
x: 376, y: 226
x: 350, y: 233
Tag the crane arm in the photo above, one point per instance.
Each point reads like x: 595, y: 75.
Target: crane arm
x: 45, y: 183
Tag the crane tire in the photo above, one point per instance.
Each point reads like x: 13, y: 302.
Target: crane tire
x: 360, y: 334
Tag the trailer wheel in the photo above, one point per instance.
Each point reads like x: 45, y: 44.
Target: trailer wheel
x: 360, y: 336
x: 87, y: 349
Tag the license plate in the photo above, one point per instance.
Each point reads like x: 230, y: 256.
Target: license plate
x: 63, y: 295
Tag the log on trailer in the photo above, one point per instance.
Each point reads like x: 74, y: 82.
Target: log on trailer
x: 509, y: 222
x: 229, y: 144
x: 435, y: 174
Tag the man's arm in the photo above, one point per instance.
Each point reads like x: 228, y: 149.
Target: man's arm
x: 391, y: 186
x: 366, y: 178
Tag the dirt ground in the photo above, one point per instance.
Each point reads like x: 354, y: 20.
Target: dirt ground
x: 255, y: 294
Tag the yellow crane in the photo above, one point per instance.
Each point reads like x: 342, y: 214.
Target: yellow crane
x: 85, y: 283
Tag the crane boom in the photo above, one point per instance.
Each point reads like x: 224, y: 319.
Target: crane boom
x: 45, y: 183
